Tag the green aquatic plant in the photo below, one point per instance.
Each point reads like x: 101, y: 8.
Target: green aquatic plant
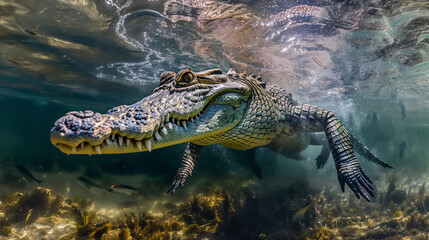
x: 398, y: 213
x: 146, y: 226
x: 192, y: 229
x: 125, y: 234
x: 38, y: 203
x: 422, y: 204
x: 83, y: 231
x: 207, y: 210
x: 12, y: 197
x: 417, y: 221
x: 174, y: 225
x: 262, y: 236
x: 101, y: 230
x: 321, y: 233
x: 216, y: 213
x: 6, y: 231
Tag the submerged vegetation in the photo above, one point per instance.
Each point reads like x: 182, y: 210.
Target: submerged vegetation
x: 288, y: 213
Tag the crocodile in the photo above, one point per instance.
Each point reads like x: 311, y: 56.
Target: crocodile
x: 238, y: 111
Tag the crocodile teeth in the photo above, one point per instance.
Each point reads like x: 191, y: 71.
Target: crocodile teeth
x: 184, y: 124
x: 113, y: 136
x: 128, y: 141
x: 157, y: 136
x: 164, y: 131
x: 192, y: 119
x: 139, y: 145
x: 169, y: 125
x: 167, y: 118
x: 173, y: 120
x: 97, y: 149
x: 82, y: 145
x: 148, y: 144
x: 121, y: 140
x: 74, y: 150
x: 196, y: 117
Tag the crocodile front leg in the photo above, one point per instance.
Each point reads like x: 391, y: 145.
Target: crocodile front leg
x: 190, y: 158
x: 310, y: 118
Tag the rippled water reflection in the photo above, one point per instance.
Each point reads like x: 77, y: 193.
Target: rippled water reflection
x: 327, y: 47
x: 366, y: 60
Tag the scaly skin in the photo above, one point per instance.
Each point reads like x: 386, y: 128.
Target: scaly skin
x: 211, y: 107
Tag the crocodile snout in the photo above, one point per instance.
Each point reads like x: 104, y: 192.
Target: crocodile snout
x: 75, y: 126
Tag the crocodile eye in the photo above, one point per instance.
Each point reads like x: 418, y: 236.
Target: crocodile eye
x: 185, y: 77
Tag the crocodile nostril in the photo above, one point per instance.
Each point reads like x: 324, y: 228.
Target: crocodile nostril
x: 81, y: 114
x: 89, y: 113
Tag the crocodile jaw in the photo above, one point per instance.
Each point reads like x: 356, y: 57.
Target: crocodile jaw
x: 214, y: 120
x: 185, y: 107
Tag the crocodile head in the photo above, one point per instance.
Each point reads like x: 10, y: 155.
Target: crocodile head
x: 199, y: 107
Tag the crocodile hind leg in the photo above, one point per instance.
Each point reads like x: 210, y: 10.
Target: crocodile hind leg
x: 189, y: 159
x: 310, y: 118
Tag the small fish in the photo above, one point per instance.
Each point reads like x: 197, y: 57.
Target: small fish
x: 26, y: 174
x: 26, y: 219
x: 403, y: 109
x: 125, y: 189
x: 90, y: 185
x: 301, y: 213
x: 402, y: 148
x: 30, y: 32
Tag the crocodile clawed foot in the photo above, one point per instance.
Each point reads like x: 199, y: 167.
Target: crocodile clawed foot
x: 178, y: 182
x: 351, y: 173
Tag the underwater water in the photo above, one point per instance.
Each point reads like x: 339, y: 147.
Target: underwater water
x: 367, y: 61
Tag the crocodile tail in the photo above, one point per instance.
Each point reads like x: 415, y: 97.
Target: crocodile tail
x: 314, y: 119
x: 190, y: 158
x: 365, y: 152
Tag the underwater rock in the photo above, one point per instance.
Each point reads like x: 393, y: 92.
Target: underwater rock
x: 39, y: 202
x: 398, y: 196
